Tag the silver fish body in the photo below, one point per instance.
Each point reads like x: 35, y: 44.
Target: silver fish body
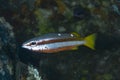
x: 54, y: 42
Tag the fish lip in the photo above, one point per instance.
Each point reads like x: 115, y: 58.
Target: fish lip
x: 26, y: 47
x: 23, y: 46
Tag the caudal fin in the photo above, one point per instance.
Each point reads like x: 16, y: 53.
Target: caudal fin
x: 90, y: 41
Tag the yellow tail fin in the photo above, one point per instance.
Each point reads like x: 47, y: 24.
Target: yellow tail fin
x: 90, y: 41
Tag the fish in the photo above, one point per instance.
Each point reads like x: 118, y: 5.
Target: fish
x: 56, y: 42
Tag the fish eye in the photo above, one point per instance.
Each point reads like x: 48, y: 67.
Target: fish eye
x: 33, y: 43
x: 45, y: 47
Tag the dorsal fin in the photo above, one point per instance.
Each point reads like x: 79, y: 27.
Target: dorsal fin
x: 75, y: 34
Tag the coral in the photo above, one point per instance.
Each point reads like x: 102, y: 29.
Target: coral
x: 33, y: 73
x: 43, y: 25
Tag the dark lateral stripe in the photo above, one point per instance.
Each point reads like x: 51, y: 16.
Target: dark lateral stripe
x: 57, y: 40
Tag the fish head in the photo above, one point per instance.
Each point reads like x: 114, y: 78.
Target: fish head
x: 34, y: 45
x: 29, y: 45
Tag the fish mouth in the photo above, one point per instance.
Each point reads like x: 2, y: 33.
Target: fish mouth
x: 26, y: 47
x: 23, y: 46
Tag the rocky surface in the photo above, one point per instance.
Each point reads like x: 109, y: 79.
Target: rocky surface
x: 7, y: 51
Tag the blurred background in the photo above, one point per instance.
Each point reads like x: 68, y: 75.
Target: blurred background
x: 21, y: 20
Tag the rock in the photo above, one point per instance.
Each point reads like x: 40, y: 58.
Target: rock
x: 7, y: 51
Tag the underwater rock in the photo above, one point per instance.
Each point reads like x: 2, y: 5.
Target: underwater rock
x: 7, y: 51
x: 33, y: 73
x: 80, y: 13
